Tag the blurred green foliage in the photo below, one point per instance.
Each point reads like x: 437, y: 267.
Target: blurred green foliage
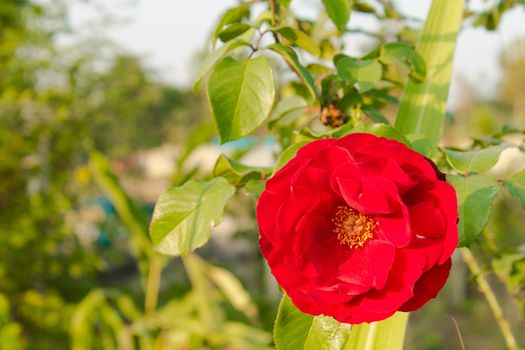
x: 64, y: 111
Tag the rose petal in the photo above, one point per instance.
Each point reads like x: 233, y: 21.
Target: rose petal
x: 428, y: 286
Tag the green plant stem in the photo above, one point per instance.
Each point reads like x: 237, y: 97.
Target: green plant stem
x: 273, y: 9
x: 491, y: 298
x: 153, y: 283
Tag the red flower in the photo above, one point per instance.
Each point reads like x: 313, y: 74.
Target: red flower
x: 358, y: 228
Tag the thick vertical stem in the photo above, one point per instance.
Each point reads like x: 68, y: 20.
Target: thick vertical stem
x: 422, y: 109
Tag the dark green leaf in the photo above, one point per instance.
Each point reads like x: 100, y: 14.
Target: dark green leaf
x: 339, y: 12
x: 516, y: 187
x: 184, y: 215
x: 237, y: 173
x: 255, y: 187
x: 241, y: 95
x: 232, y: 31
x: 212, y: 59
x: 291, y: 57
x: 375, y: 115
x: 384, y: 130
x: 476, y: 196
x: 478, y: 161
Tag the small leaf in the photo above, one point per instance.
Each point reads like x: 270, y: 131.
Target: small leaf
x: 233, y: 31
x: 375, y: 115
x: 516, y: 187
x: 399, y: 52
x: 291, y: 57
x: 241, y: 95
x: 288, y: 154
x: 365, y: 72
x: 476, y: 196
x: 183, y: 215
x: 233, y: 15
x: 287, y: 111
x: 299, y: 39
x: 237, y: 173
x: 478, y: 161
x: 339, y: 12
x: 254, y: 187
x: 212, y: 59
x: 295, y: 330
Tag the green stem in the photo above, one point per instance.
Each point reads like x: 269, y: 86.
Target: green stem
x: 491, y: 299
x: 153, y: 283
x: 422, y: 108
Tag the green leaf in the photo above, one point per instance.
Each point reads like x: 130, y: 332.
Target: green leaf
x: 237, y: 173
x: 364, y: 72
x: 241, y: 95
x: 404, y: 53
x: 375, y: 115
x: 287, y: 110
x: 478, y: 161
x: 233, y: 15
x: 295, y: 330
x: 476, y: 196
x: 233, y: 31
x: 288, y: 154
x: 299, y: 39
x: 423, y: 105
x: 183, y: 215
x: 338, y: 11
x: 516, y: 187
x: 254, y: 187
x: 212, y: 59
x: 291, y: 57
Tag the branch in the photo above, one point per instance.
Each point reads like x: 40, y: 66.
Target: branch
x: 491, y: 299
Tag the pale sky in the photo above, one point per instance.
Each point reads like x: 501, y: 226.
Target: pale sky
x: 168, y: 33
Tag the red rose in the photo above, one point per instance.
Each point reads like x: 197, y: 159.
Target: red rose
x: 358, y: 228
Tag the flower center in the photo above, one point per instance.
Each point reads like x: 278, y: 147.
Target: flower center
x: 352, y: 227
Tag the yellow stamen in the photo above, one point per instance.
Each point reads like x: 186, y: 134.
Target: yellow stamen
x: 352, y: 227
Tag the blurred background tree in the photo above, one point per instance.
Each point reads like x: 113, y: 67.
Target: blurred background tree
x: 68, y: 272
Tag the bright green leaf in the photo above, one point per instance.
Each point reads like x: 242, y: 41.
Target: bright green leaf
x: 237, y: 173
x: 516, y: 187
x: 299, y: 39
x: 478, y: 161
x: 399, y: 52
x: 287, y: 111
x: 339, y: 12
x: 476, y: 196
x: 233, y: 15
x: 233, y: 31
x: 291, y: 57
x: 183, y: 215
x: 384, y: 130
x: 365, y: 72
x: 288, y: 154
x: 295, y: 330
x: 212, y: 59
x: 241, y: 95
